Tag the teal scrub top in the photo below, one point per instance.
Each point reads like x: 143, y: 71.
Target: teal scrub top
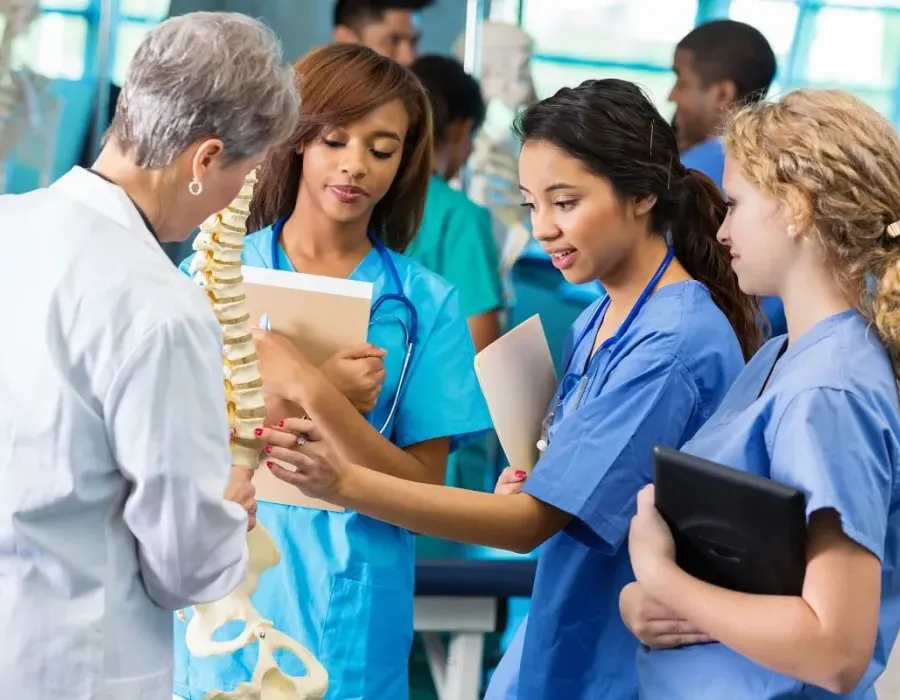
x: 456, y: 240
x: 344, y: 585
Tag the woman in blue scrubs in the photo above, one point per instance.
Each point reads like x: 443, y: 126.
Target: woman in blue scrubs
x: 814, y: 184
x: 647, y: 365
x: 346, y: 194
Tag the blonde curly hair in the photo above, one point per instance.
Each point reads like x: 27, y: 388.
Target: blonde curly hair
x: 834, y: 162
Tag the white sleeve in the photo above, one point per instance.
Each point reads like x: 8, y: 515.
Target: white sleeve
x: 168, y: 430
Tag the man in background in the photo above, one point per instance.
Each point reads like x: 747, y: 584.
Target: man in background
x: 720, y: 66
x: 390, y: 27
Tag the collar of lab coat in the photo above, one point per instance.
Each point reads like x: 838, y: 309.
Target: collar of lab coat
x: 108, y: 200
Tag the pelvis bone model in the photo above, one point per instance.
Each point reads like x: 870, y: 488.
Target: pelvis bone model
x: 216, y: 265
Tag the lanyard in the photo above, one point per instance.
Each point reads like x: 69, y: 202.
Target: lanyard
x: 635, y: 310
x: 565, y: 386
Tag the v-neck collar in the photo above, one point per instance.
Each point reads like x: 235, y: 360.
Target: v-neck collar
x: 783, y: 353
x: 366, y: 269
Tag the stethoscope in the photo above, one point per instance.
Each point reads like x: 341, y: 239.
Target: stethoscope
x: 580, y: 383
x: 410, y: 333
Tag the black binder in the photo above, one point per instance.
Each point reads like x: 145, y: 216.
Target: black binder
x: 733, y: 529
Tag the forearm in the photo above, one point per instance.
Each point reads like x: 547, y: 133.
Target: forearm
x: 514, y: 523
x: 484, y: 329
x: 352, y: 434
x: 782, y: 633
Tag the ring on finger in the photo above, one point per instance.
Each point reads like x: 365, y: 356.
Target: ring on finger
x: 302, y: 440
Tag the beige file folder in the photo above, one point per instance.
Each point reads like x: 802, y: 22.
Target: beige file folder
x: 518, y: 381
x: 321, y: 315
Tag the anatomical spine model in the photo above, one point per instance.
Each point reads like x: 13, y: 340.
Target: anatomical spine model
x: 216, y: 265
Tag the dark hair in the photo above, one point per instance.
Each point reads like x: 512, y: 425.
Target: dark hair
x: 729, y: 50
x: 340, y: 84
x: 617, y: 134
x: 358, y: 13
x: 454, y: 93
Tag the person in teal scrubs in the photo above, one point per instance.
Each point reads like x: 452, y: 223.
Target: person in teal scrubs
x: 456, y: 237
x: 814, y: 187
x: 343, y: 197
x: 719, y: 66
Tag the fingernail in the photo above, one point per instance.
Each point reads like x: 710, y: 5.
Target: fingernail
x: 270, y: 464
x: 258, y: 432
x: 268, y: 449
x: 520, y: 474
x: 281, y: 424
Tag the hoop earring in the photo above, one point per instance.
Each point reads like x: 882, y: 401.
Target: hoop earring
x: 196, y: 187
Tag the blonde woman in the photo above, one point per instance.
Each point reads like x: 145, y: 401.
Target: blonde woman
x: 814, y: 187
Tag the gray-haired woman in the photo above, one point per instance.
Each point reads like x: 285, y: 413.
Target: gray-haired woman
x: 113, y: 435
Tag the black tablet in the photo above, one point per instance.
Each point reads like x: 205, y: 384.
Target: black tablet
x: 733, y: 529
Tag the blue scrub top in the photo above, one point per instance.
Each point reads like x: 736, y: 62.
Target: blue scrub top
x: 344, y: 586
x: 828, y: 424
x: 654, y: 385
x: 709, y: 158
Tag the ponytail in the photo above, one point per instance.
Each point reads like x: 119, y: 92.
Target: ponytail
x: 700, y: 213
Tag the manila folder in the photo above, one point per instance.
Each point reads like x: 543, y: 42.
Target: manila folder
x: 321, y: 315
x: 518, y: 381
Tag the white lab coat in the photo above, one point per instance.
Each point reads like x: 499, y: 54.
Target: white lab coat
x: 113, y: 449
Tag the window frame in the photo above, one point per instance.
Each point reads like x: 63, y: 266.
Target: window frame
x: 791, y: 73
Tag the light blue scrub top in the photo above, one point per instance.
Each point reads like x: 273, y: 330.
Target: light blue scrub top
x: 344, y: 586
x: 828, y: 424
x: 709, y: 158
x: 655, y: 384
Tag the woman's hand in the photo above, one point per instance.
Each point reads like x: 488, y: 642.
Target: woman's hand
x: 319, y: 467
x: 358, y: 373
x: 283, y: 367
x: 510, y: 482
x: 241, y: 490
x: 650, y: 542
x: 654, y: 624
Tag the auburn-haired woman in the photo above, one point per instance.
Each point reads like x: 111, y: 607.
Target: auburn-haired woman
x: 343, y: 198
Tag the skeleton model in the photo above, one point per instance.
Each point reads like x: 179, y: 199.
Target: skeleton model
x: 506, y: 82
x: 216, y: 265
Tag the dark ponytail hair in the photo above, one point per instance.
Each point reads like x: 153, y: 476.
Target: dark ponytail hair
x: 612, y: 127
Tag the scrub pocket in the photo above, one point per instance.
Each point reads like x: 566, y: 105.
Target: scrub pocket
x: 366, y: 641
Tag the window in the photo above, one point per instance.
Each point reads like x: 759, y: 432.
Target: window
x: 630, y: 39
x: 849, y: 44
x: 53, y: 45
x: 61, y: 41
x: 137, y: 18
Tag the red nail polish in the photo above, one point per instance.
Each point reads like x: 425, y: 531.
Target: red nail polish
x: 268, y: 449
x: 520, y: 474
x: 270, y: 464
x: 258, y: 432
x: 281, y: 424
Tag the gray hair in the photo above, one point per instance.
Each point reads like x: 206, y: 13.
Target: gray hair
x: 204, y: 75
